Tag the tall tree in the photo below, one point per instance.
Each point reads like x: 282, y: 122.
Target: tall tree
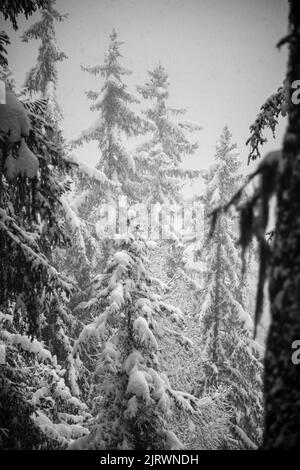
x: 282, y: 383
x: 230, y: 356
x: 35, y: 396
x: 30, y: 188
x: 159, y: 163
x: 115, y: 120
x: 132, y: 396
x: 279, y: 175
x: 42, y: 78
x: 159, y: 159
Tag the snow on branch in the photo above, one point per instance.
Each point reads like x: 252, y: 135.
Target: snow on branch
x: 94, y: 70
x: 28, y: 246
x: 76, y: 227
x: 90, y: 171
x: 32, y: 346
x: 196, y: 286
x: 190, y: 126
x: 14, y: 121
x: 176, y: 314
x: 243, y: 316
x: 275, y: 105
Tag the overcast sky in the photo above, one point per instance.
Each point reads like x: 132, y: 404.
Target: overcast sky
x: 220, y: 56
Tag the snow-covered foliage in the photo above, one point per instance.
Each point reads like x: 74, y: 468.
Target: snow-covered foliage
x: 14, y: 120
x: 58, y: 325
x: 133, y: 396
x: 32, y: 379
x: 90, y: 171
x: 181, y: 356
x: 115, y: 120
x: 159, y: 158
x: 117, y: 342
x: 267, y: 118
x: 32, y: 289
x: 42, y: 78
x: 27, y: 230
x: 114, y: 171
x: 230, y: 357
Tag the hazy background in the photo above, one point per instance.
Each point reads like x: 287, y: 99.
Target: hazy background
x: 220, y: 57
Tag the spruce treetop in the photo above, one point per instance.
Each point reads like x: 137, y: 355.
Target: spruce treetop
x: 160, y: 157
x: 116, y: 121
x: 42, y: 78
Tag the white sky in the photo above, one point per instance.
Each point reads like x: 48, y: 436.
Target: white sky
x: 220, y: 56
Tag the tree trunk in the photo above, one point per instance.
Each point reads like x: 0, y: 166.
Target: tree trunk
x: 282, y: 377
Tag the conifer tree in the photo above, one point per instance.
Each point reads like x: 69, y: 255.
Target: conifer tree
x: 281, y: 385
x: 159, y: 164
x: 41, y: 81
x: 230, y: 356
x: 30, y: 285
x: 38, y: 409
x: 132, y: 396
x: 115, y: 170
x: 42, y: 78
x: 114, y: 121
x: 32, y: 290
x: 159, y: 158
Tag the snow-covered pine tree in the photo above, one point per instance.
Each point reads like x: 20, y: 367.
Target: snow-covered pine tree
x: 182, y: 363
x: 230, y: 355
x: 132, y: 397
x: 115, y: 170
x: 32, y: 182
x: 42, y: 78
x: 28, y: 206
x: 159, y: 164
x: 115, y: 121
x: 38, y: 409
x: 159, y: 167
x: 159, y: 161
x: 30, y: 228
x: 160, y: 157
x: 29, y: 193
x: 267, y: 118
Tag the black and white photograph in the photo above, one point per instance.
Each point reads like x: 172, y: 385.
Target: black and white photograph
x: 149, y: 229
